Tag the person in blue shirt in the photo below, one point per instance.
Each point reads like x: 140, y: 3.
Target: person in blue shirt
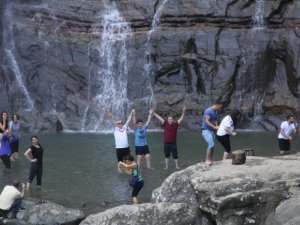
x: 209, y: 127
x: 141, y: 145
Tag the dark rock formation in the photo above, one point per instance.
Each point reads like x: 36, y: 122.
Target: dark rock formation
x: 70, y: 62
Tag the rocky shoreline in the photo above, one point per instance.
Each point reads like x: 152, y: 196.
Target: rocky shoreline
x: 263, y: 191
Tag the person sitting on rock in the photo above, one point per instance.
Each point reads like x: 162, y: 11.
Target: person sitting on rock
x: 11, y: 199
x: 284, y: 136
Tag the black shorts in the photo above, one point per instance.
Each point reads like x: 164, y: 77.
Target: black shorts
x: 142, y: 150
x: 224, y: 140
x: 170, y: 148
x: 137, y: 188
x: 284, y: 144
x: 14, y: 146
x: 121, y: 152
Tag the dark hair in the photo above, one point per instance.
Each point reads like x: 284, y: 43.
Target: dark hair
x: 12, y: 118
x: 218, y: 103
x: 34, y: 136
x: 139, y: 121
x: 16, y: 183
x: 234, y: 116
x: 1, y: 119
x: 288, y: 116
x: 129, y: 158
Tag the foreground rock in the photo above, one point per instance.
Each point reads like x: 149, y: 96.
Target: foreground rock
x: 150, y: 214
x: 46, y: 214
x: 262, y: 191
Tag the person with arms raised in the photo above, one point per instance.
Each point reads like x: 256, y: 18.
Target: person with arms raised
x: 170, y: 137
x: 120, y: 135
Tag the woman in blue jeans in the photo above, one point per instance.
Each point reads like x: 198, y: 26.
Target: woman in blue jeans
x: 35, y: 155
x: 130, y: 167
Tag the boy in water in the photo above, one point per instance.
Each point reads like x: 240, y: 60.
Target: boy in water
x: 141, y: 145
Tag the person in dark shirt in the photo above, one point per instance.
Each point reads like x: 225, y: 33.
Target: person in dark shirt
x: 35, y: 155
x: 170, y: 132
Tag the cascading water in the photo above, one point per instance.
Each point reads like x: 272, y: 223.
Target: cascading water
x: 9, y: 49
x: 148, y: 65
x: 111, y: 93
x: 258, y: 18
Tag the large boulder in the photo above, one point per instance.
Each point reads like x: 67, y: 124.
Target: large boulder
x: 286, y: 213
x: 51, y: 213
x: 239, y: 194
x: 150, y: 214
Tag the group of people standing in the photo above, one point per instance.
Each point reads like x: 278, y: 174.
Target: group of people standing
x: 9, y: 138
x: 10, y: 198
x: 211, y: 129
x: 126, y: 162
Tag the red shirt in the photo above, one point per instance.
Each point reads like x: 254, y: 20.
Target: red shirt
x: 170, y: 132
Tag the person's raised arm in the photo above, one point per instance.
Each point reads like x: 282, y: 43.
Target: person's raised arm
x: 149, y: 117
x: 109, y: 115
x: 158, y: 117
x: 134, y: 118
x: 182, y: 115
x: 129, y: 117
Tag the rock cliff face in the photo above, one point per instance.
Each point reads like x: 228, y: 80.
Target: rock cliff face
x: 65, y: 64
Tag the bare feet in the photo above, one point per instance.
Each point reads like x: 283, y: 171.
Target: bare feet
x: 208, y: 163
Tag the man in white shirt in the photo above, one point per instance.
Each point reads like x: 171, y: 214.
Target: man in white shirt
x: 121, y: 138
x: 284, y: 136
x: 11, y: 198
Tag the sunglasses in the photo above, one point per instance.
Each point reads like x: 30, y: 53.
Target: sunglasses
x: 120, y: 123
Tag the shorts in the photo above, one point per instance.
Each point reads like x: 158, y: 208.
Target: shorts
x: 14, y: 146
x: 284, y: 144
x: 121, y: 152
x: 224, y: 140
x: 137, y: 188
x: 142, y: 150
x: 170, y: 148
x: 209, y: 137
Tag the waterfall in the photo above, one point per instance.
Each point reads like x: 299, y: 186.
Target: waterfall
x: 111, y: 93
x: 148, y: 65
x: 9, y: 48
x: 258, y: 18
